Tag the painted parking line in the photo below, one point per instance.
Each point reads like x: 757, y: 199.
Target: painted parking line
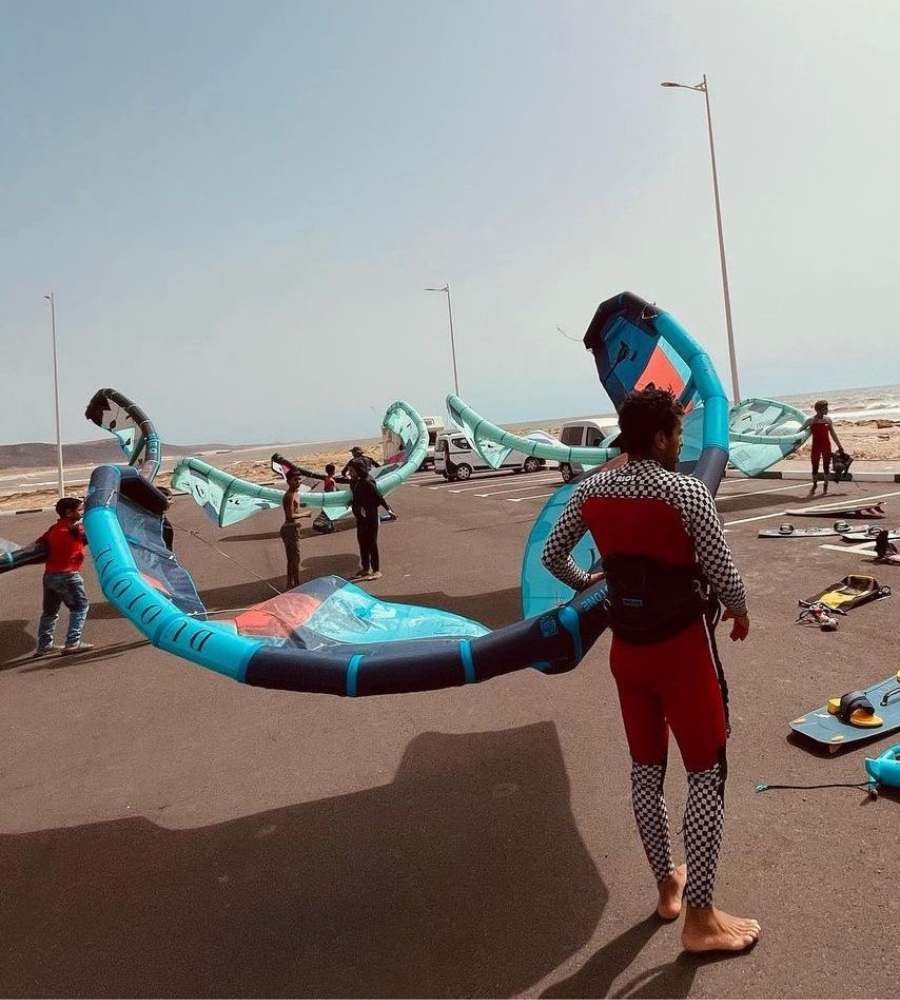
x: 824, y: 513
x: 513, y: 489
x: 482, y: 484
x: 759, y: 493
x: 543, y: 496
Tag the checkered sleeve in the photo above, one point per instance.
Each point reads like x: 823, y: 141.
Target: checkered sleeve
x: 702, y: 521
x: 566, y: 534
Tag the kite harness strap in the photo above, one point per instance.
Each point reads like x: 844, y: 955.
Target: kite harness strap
x: 649, y: 601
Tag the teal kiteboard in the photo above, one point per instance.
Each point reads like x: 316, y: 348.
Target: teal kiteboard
x: 853, y: 717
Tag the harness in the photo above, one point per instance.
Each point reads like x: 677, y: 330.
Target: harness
x: 649, y: 600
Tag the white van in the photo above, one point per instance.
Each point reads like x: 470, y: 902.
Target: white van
x: 455, y: 458
x: 589, y: 432
x: 435, y: 426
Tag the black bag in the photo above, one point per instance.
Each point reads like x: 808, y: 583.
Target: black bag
x: 840, y: 465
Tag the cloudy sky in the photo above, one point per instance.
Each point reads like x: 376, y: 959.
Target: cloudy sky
x: 239, y: 205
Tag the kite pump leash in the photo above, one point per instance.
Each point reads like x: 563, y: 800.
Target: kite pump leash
x: 215, y: 548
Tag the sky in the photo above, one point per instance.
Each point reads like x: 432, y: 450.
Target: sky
x: 238, y: 205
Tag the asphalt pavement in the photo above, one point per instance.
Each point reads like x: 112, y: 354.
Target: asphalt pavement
x: 167, y: 832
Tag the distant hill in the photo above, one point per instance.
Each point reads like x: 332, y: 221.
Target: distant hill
x: 37, y: 455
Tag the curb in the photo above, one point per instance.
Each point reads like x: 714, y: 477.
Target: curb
x: 859, y: 477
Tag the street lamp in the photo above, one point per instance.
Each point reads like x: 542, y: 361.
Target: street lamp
x: 704, y: 89
x: 59, y: 460
x: 446, y: 289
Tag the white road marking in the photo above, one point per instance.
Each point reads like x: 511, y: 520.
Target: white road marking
x: 758, y: 493
x: 781, y: 513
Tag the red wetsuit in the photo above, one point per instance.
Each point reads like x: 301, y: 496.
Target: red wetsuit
x: 821, y: 444
x: 641, y: 509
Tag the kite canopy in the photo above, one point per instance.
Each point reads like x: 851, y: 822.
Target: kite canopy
x: 635, y: 344
x: 227, y: 499
x: 494, y: 444
x: 763, y: 432
x: 326, y: 636
x: 132, y: 428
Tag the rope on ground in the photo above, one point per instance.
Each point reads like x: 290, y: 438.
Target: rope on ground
x: 215, y: 548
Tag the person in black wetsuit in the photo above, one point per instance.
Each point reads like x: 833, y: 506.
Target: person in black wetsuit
x: 358, y: 456
x: 366, y: 501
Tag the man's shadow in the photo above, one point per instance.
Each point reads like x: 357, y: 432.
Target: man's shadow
x: 596, y: 977
x: 465, y: 875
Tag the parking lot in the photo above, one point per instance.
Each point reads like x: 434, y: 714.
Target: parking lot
x: 166, y: 831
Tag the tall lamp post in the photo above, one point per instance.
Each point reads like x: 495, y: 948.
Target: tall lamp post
x: 446, y: 289
x: 59, y: 460
x: 704, y: 89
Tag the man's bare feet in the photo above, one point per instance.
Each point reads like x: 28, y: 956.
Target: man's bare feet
x: 670, y: 890
x: 709, y: 929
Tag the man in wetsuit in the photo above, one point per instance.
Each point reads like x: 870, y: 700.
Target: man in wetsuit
x: 357, y: 456
x: 822, y: 432
x: 662, y: 545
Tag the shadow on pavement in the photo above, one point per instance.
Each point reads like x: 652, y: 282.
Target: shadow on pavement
x: 15, y: 639
x: 597, y: 976
x: 465, y: 876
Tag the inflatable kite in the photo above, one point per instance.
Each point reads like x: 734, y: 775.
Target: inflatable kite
x: 228, y: 500
x: 635, y: 344
x: 761, y: 433
x: 326, y: 636
x: 130, y: 426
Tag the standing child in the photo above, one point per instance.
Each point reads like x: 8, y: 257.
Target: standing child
x: 63, y: 583
x: 291, y: 529
x: 822, y: 432
x: 330, y: 485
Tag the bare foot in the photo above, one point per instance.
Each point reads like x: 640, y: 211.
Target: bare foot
x: 670, y: 890
x: 709, y: 929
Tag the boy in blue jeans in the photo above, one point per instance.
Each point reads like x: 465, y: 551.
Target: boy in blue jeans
x: 63, y: 583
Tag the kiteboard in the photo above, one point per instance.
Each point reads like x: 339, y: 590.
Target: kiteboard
x: 859, y: 512
x: 857, y: 535
x: 853, y: 717
x: 787, y: 530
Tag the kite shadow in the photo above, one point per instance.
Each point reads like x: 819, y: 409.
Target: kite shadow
x: 464, y: 876
x: 16, y: 642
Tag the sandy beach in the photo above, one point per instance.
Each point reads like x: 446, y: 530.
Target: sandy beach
x: 865, y: 440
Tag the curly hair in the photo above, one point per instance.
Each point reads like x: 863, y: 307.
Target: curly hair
x: 643, y: 414
x: 65, y: 504
x: 820, y: 405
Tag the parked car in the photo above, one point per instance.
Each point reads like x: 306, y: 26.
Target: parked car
x: 589, y: 432
x: 455, y: 458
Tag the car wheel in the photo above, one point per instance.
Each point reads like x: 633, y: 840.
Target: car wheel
x: 463, y: 471
x: 566, y: 471
x: 531, y: 464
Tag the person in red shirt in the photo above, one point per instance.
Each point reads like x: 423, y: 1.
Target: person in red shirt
x: 63, y: 583
x: 822, y: 432
x: 330, y: 485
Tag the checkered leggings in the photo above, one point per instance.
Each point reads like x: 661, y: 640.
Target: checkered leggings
x: 704, y: 817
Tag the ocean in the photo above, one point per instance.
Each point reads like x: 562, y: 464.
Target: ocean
x: 875, y: 402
